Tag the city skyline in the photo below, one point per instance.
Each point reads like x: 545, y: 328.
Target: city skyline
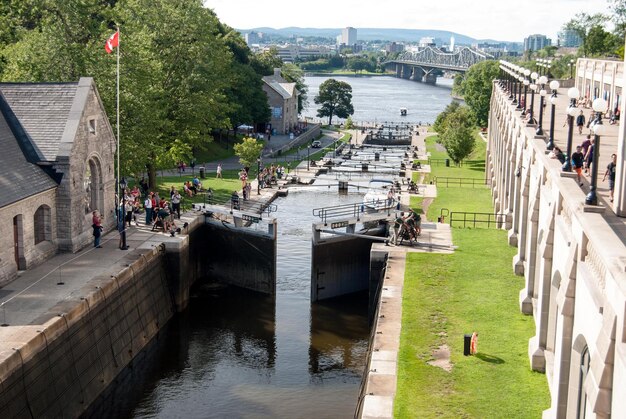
x: 485, y: 19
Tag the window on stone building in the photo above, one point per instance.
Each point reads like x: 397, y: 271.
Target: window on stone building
x: 581, y: 408
x: 92, y: 126
x: 92, y: 184
x: 43, y: 227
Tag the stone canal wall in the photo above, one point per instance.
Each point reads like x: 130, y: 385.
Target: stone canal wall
x: 58, y: 368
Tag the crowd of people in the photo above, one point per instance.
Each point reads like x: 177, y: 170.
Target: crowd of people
x: 406, y: 227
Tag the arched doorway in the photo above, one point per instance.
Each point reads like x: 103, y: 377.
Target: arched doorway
x: 581, y: 402
x: 92, y: 183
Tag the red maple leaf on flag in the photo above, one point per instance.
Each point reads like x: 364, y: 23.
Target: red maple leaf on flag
x: 112, y: 42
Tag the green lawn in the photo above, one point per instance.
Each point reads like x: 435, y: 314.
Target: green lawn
x: 447, y: 296
x: 222, y: 188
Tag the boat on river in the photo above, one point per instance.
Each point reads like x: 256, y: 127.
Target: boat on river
x: 380, y: 195
x: 403, y: 111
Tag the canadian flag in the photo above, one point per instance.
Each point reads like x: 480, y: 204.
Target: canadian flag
x: 112, y: 42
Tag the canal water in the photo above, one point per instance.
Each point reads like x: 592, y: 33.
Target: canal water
x: 379, y: 98
x: 237, y: 354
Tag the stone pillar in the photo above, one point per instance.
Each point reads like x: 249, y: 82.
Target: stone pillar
x: 619, y: 202
x: 430, y: 78
x: 417, y: 74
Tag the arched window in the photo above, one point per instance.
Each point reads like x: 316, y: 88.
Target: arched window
x: 581, y: 406
x: 42, y: 221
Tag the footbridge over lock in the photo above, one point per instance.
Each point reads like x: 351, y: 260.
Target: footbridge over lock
x: 428, y: 63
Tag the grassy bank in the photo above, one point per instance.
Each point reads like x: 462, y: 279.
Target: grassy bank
x: 447, y: 296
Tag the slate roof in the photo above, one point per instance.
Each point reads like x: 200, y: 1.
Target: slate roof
x: 19, y: 178
x: 42, y: 110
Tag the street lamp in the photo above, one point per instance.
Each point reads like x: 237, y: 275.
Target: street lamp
x: 521, y: 83
x: 542, y: 93
x: 526, y: 83
x: 554, y: 85
x: 258, y: 176
x: 533, y: 88
x: 515, y: 81
x: 571, y: 69
x: 599, y: 105
x: 572, y: 94
x: 121, y: 221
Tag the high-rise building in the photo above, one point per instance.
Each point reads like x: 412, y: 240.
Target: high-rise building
x: 536, y: 42
x: 348, y: 36
x: 569, y: 38
x: 253, y: 38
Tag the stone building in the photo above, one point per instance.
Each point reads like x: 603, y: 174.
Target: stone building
x: 57, y: 166
x: 283, y: 101
x: 572, y: 255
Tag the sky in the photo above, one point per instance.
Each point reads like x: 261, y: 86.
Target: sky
x: 502, y: 20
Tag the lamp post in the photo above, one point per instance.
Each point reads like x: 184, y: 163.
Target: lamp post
x: 599, y: 105
x: 548, y: 66
x: 533, y: 88
x: 526, y: 83
x: 554, y: 85
x: 121, y: 221
x: 308, y: 160
x: 521, y: 83
x: 572, y: 94
x: 538, y: 65
x: 515, y: 81
x: 258, y: 176
x: 542, y: 93
x: 571, y: 69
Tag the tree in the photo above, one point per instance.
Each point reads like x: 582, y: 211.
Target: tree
x: 439, y: 125
x: 349, y: 124
x: 458, y: 136
x: 336, y: 99
x: 476, y: 88
x: 248, y: 151
x: 293, y: 74
x: 582, y: 23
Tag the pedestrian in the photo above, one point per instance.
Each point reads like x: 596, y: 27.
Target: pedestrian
x: 610, y: 173
x: 580, y: 122
x: 147, y: 205
x: 176, y: 198
x: 578, y: 161
x: 96, y: 224
x: 219, y: 171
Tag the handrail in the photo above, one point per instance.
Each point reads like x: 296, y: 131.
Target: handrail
x: 351, y: 210
x: 480, y: 218
x: 444, y: 181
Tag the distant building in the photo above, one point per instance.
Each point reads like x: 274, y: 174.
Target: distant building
x: 427, y: 41
x: 253, y: 38
x: 348, y: 36
x: 394, y: 47
x: 536, y: 42
x: 569, y: 38
x: 290, y: 53
x: 283, y: 101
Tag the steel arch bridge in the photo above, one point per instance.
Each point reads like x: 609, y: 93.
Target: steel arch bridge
x: 429, y: 62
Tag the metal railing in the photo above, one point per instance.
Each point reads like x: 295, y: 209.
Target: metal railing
x: 248, y: 205
x: 460, y: 181
x: 480, y: 219
x: 351, y: 210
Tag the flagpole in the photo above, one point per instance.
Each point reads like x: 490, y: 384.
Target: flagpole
x: 117, y: 120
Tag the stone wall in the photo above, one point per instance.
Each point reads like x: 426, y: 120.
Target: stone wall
x: 30, y: 254
x: 58, y: 368
x: 574, y: 266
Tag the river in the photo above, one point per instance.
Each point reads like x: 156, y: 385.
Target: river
x: 379, y: 98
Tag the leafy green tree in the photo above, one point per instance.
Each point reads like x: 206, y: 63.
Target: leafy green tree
x: 458, y: 136
x: 248, y: 151
x: 476, y: 88
x: 293, y: 74
x: 439, y: 125
x: 600, y: 42
x: 335, y: 98
x: 582, y: 23
x: 349, y: 123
